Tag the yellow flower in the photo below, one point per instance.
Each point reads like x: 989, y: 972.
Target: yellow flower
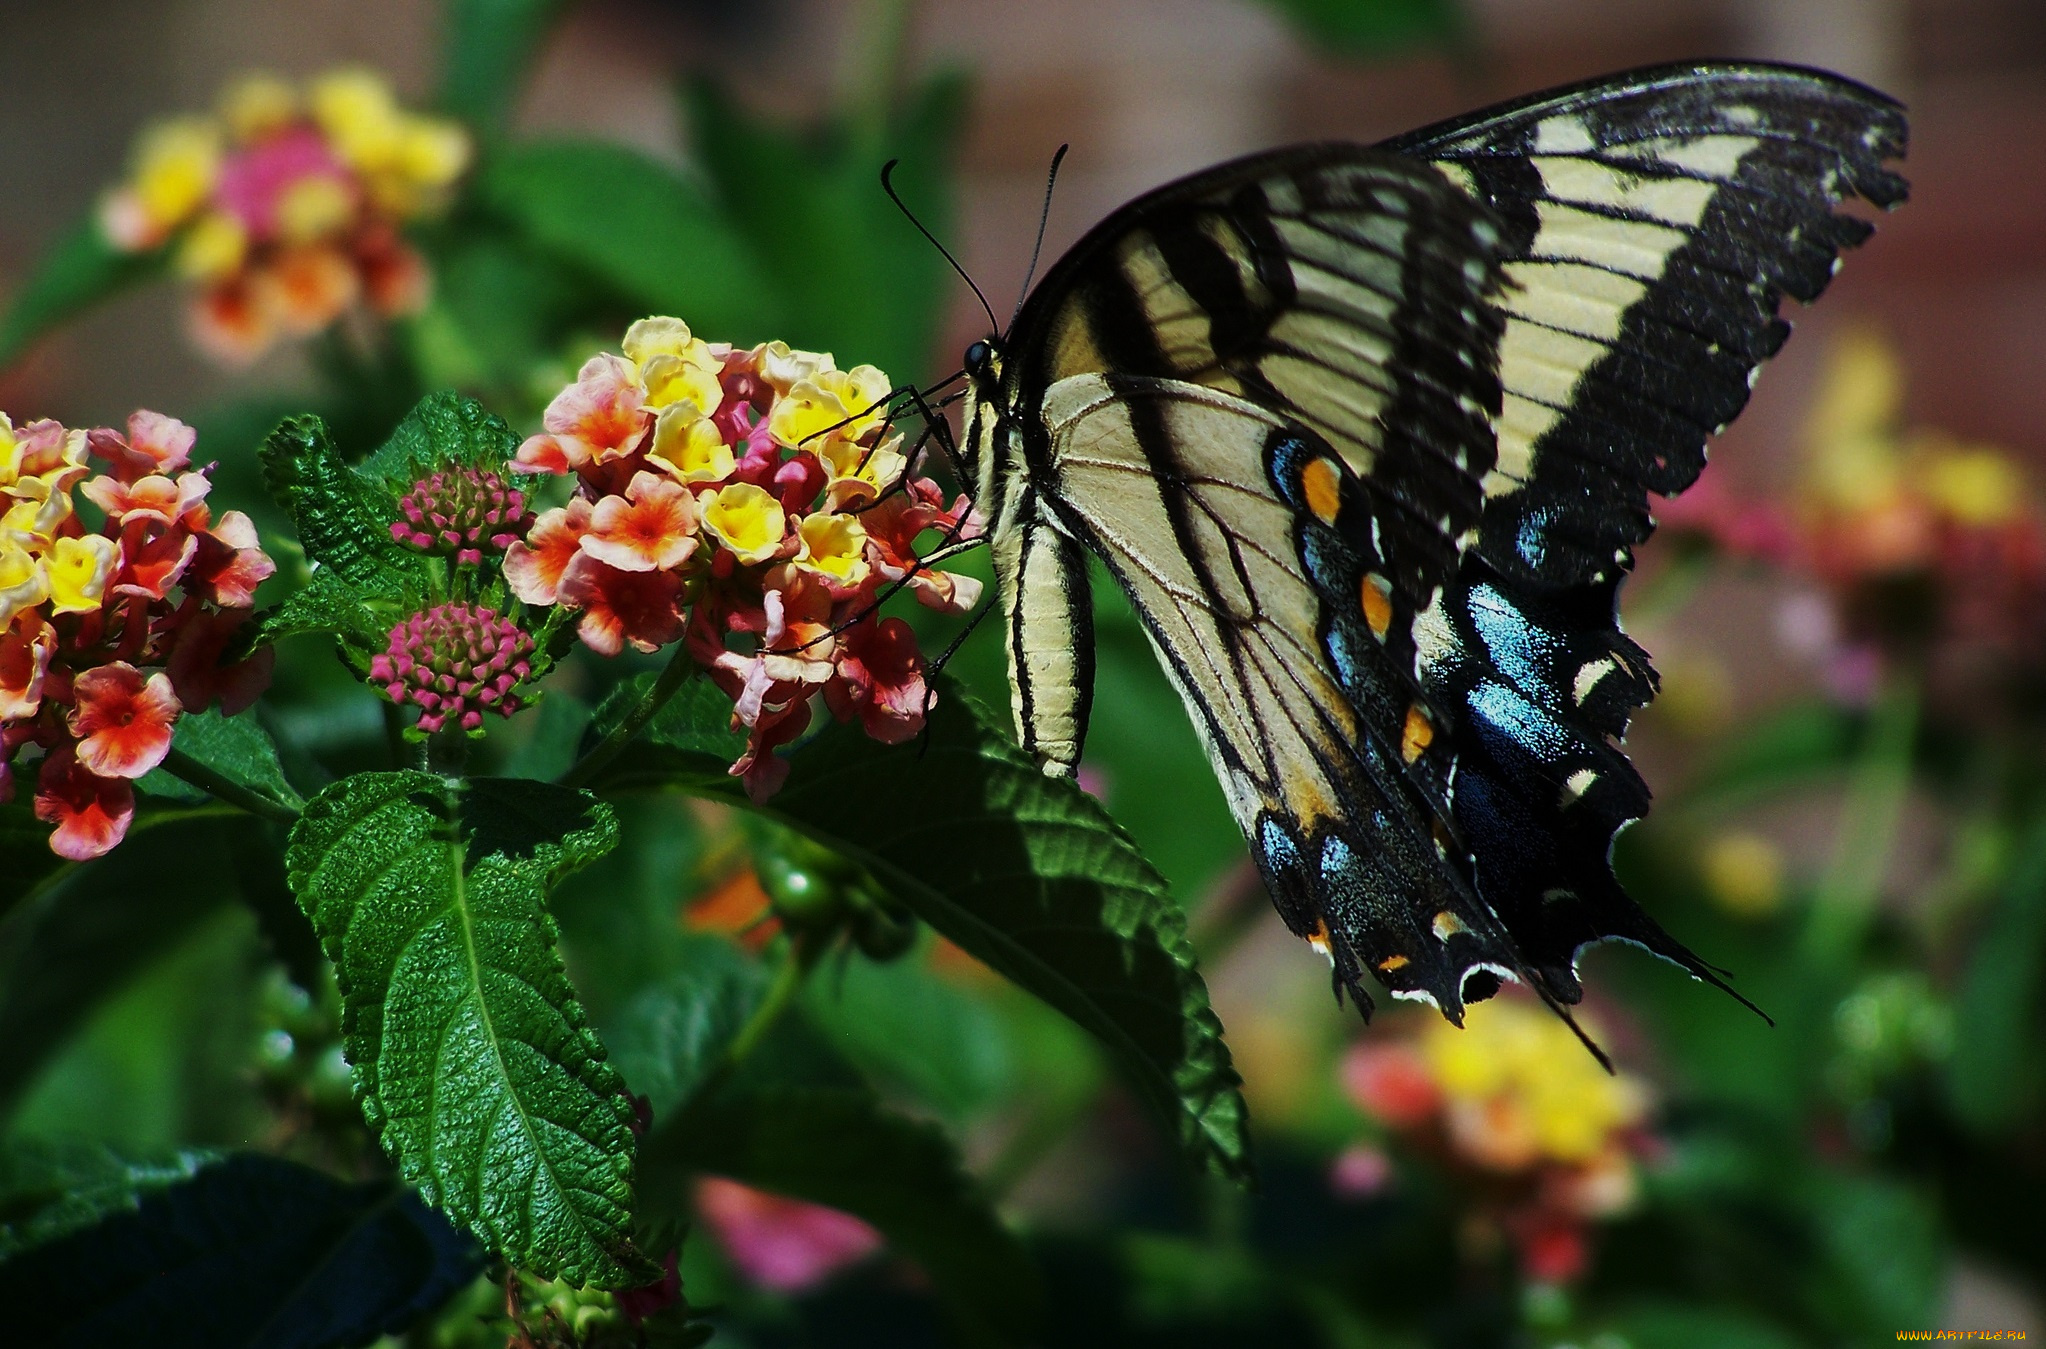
x: 256, y: 105
x: 859, y: 472
x: 1852, y: 462
x: 845, y: 403
x: 688, y: 445
x: 835, y: 545
x: 78, y: 570
x: 22, y: 583
x: 673, y: 366
x: 213, y: 248
x: 174, y: 171
x: 314, y: 207
x: 745, y: 519
x: 405, y: 161
x: 783, y: 366
x: 1521, y: 1089
x: 1975, y: 485
x: 10, y: 452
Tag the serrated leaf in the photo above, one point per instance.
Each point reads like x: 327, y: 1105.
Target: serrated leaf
x: 328, y: 604
x: 443, y: 429
x: 250, y: 1251
x: 1025, y: 872
x: 79, y: 270
x: 472, y: 1058
x: 636, y: 225
x: 236, y: 748
x: 84, y: 937
x: 843, y: 1150
x: 487, y: 47
x: 343, y: 518
x: 872, y: 288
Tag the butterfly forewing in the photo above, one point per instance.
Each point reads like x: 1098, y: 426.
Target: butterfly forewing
x: 1653, y: 223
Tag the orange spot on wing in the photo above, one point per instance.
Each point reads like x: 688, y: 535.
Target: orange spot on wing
x: 1322, y: 482
x: 1377, y: 594
x: 1418, y: 734
x: 1318, y: 938
x: 1391, y: 963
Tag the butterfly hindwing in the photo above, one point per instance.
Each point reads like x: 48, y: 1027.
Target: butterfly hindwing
x: 1302, y: 688
x: 1654, y: 222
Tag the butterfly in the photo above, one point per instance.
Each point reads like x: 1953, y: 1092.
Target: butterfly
x: 1366, y: 434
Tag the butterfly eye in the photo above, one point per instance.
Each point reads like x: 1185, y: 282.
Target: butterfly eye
x: 979, y: 358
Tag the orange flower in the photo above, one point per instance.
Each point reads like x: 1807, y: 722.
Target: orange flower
x: 600, y: 417
x: 641, y: 607
x: 651, y: 528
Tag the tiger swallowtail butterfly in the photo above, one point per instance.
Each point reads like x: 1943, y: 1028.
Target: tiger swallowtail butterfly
x: 1367, y: 435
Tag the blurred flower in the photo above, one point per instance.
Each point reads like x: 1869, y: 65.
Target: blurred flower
x: 284, y: 207
x: 1913, y: 545
x: 781, y: 1244
x: 1540, y: 1136
x: 1743, y: 874
x: 108, y: 636
x: 754, y: 505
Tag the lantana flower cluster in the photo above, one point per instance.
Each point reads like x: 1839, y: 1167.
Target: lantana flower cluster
x: 756, y: 505
x: 107, y: 635
x: 1543, y: 1140
x: 1909, y: 544
x: 285, y: 206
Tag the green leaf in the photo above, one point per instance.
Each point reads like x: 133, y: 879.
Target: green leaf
x: 691, y: 740
x: 26, y: 863
x: 672, y: 1033
x: 343, y: 517
x: 842, y: 1150
x: 873, y: 290
x: 910, y: 1030
x: 1025, y: 872
x: 329, y: 604
x: 249, y: 1251
x: 552, y: 734
x: 1373, y: 27
x: 636, y: 225
x: 443, y: 430
x: 85, y: 937
x: 472, y: 1058
x: 77, y: 273
x: 236, y: 748
x: 1995, y: 1070
x: 50, y: 1188
x: 487, y: 47
x: 1792, y: 747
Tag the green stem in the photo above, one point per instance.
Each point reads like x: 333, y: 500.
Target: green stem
x: 678, y: 669
x: 185, y: 768
x: 1876, y: 792
x: 788, y: 981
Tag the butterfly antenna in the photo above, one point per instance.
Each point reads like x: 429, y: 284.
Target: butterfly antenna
x: 887, y: 170
x: 1043, y: 218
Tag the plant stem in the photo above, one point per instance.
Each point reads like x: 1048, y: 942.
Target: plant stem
x: 677, y: 670
x: 1876, y: 792
x: 788, y: 981
x: 185, y: 768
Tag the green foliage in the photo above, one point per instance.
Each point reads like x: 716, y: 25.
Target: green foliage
x: 81, y: 269
x: 49, y: 1190
x: 1026, y: 873
x: 1369, y: 28
x: 444, y: 430
x: 486, y: 48
x: 871, y: 288
x: 842, y: 1150
x: 343, y: 517
x: 635, y: 225
x: 81, y: 939
x: 1996, y: 1070
x: 473, y: 1061
x: 236, y: 749
x: 250, y: 1250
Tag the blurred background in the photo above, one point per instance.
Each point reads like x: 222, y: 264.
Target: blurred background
x: 1847, y: 613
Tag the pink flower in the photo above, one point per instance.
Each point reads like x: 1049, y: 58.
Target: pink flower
x: 1392, y: 1082
x: 881, y: 680
x: 91, y: 812
x: 781, y: 1244
x: 600, y: 417
x: 455, y: 662
x: 641, y: 607
x: 123, y: 721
